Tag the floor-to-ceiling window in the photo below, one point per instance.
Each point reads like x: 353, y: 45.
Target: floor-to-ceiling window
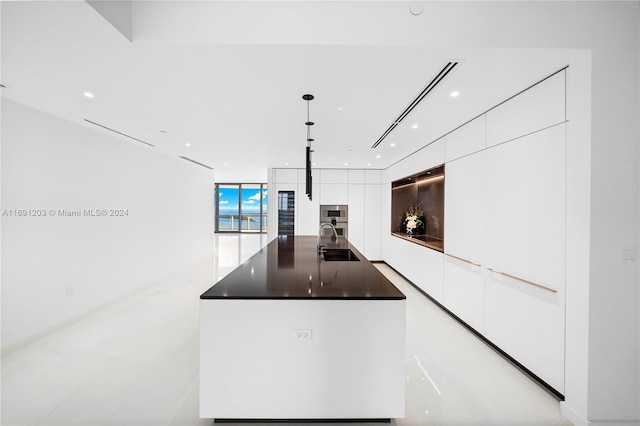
x: 241, y: 207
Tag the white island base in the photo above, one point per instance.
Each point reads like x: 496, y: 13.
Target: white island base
x: 302, y: 359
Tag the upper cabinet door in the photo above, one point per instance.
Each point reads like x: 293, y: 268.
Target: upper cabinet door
x: 373, y: 176
x: 286, y: 175
x: 470, y: 138
x: 464, y: 222
x: 334, y: 193
x: 356, y: 176
x: 307, y: 211
x: 525, y: 231
x: 537, y: 108
x: 428, y: 157
x: 357, y: 216
x: 372, y: 218
x: 333, y: 176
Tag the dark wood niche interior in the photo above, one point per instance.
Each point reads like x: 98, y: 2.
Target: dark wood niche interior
x: 425, y: 190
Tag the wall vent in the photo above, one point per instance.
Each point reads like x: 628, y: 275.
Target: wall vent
x: 437, y: 79
x: 196, y: 162
x: 120, y: 133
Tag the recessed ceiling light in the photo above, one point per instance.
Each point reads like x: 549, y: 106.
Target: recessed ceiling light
x: 346, y: 164
x: 187, y: 144
x: 340, y: 108
x: 455, y: 94
x: 377, y: 156
x: 415, y: 126
x: 392, y: 144
x: 226, y: 164
x: 368, y: 164
x: 286, y: 164
x: 88, y: 95
x: 314, y: 164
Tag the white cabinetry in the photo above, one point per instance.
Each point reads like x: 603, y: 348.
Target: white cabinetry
x: 539, y: 107
x: 307, y: 211
x: 464, y: 239
x: 334, y: 176
x: 503, y: 272
x: 356, y: 176
x: 433, y: 277
x: 408, y: 259
x: 525, y: 251
x: 372, y: 217
x: 357, y: 216
x: 428, y: 157
x: 353, y: 367
x: 528, y: 324
x: 525, y: 225
x: 286, y: 175
x: 413, y: 266
x: 358, y: 188
x: 420, y: 265
x: 373, y: 177
x: 334, y: 193
x: 432, y: 155
x: 466, y: 140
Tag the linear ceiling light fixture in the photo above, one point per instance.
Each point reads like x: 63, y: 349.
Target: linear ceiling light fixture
x: 308, y: 149
x: 120, y: 133
x: 438, y: 78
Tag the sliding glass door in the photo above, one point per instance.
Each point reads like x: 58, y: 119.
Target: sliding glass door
x: 228, y: 208
x: 241, y: 207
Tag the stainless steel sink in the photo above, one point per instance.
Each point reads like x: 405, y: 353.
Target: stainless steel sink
x: 340, y: 255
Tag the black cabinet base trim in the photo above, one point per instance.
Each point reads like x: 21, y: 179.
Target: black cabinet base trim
x: 302, y: 420
x: 544, y: 385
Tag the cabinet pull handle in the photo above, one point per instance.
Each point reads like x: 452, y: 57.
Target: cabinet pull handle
x: 463, y: 260
x: 523, y: 280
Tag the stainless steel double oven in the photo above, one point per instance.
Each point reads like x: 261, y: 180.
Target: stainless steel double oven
x: 337, y: 215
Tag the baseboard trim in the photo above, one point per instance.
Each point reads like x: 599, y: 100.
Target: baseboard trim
x: 544, y: 385
x: 298, y: 421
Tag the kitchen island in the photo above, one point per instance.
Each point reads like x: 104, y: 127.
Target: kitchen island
x: 291, y: 334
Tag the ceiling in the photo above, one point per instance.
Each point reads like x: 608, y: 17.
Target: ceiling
x: 239, y: 106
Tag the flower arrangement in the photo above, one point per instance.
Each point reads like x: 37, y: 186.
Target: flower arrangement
x: 412, y: 218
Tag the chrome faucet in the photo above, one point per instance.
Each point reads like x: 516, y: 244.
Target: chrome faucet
x: 335, y: 235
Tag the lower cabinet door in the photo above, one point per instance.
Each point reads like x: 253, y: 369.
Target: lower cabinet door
x: 413, y: 266
x: 464, y: 291
x: 420, y: 265
x: 527, y: 322
x: 433, y: 279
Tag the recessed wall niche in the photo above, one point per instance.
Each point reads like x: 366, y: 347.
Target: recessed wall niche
x: 425, y: 191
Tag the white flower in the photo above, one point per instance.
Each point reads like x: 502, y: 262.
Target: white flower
x: 411, y: 222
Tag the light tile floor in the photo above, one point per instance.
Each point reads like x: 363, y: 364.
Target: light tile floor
x: 135, y: 362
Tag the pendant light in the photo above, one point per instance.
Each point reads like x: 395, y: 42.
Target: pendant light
x: 308, y: 149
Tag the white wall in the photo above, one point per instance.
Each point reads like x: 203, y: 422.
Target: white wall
x: 57, y: 268
x: 614, y: 350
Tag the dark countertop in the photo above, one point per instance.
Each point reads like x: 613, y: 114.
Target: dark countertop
x: 423, y: 240
x: 289, y: 268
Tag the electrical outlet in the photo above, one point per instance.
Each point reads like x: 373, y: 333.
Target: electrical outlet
x: 69, y: 290
x: 303, y: 334
x: 629, y: 254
